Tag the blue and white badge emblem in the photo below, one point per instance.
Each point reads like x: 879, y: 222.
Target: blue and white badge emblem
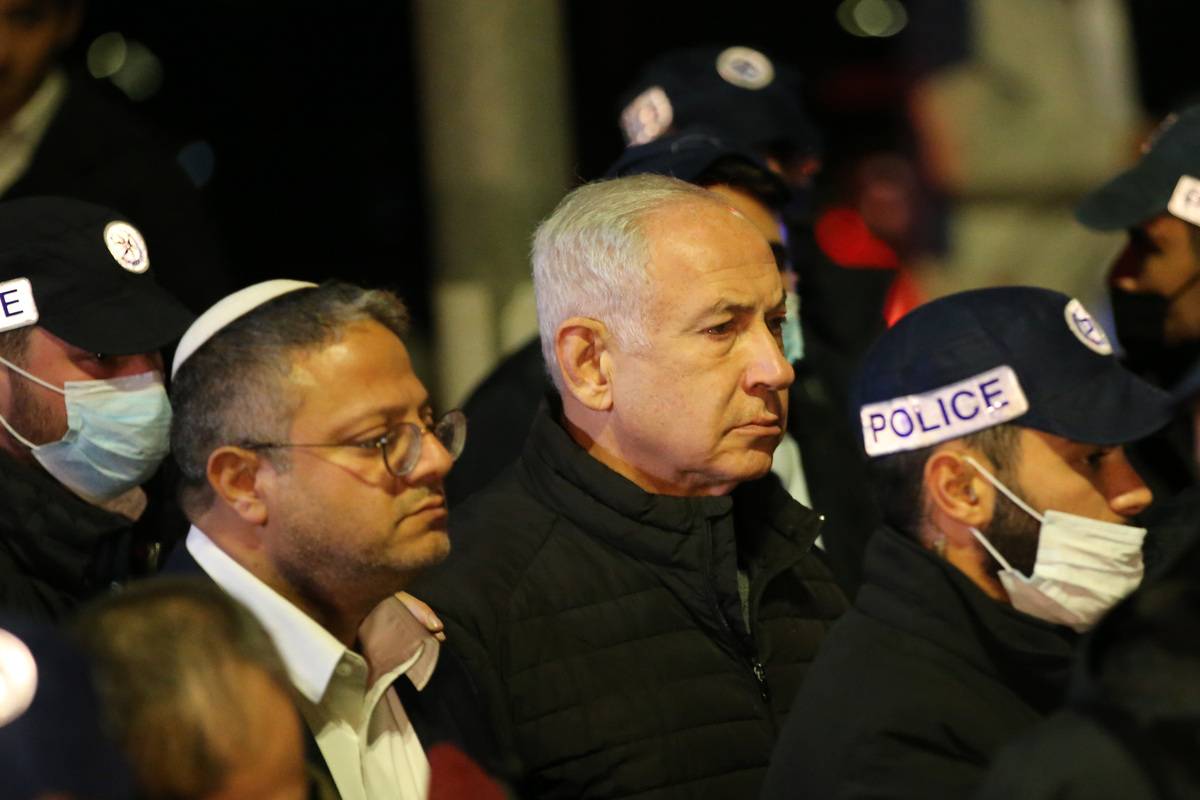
x: 126, y: 246
x: 647, y: 117
x: 1086, y: 328
x: 745, y: 67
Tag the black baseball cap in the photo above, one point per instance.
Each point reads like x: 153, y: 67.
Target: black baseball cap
x: 82, y: 272
x: 981, y: 358
x: 1145, y: 190
x: 737, y: 90
x: 689, y: 154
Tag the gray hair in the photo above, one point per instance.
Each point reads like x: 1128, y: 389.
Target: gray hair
x: 590, y: 256
x: 169, y: 656
x: 234, y: 389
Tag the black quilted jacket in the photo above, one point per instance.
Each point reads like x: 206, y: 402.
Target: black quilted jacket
x: 56, y: 550
x: 605, y: 627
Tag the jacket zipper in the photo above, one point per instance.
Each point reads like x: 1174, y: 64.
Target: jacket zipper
x: 756, y: 667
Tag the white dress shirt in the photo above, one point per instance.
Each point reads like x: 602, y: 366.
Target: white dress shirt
x: 346, y: 698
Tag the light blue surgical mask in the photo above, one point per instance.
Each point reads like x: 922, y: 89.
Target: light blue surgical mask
x: 118, y: 432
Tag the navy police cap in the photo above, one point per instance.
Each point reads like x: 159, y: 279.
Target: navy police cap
x: 1166, y: 179
x: 982, y: 358
x: 691, y: 154
x: 738, y: 90
x: 82, y: 272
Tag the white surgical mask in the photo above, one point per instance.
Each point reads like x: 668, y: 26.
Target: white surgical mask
x: 1084, y: 566
x: 118, y: 432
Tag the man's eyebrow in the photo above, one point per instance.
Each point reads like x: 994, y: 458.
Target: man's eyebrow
x: 387, y: 414
x: 723, y: 306
x: 727, y: 306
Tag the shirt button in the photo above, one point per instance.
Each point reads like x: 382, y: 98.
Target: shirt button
x: 344, y: 670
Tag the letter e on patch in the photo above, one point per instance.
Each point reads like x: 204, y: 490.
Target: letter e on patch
x: 17, y: 308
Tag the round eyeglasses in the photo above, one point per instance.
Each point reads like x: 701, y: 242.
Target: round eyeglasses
x: 401, y: 445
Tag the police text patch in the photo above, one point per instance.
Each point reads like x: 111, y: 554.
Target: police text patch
x: 17, y: 308
x: 920, y: 420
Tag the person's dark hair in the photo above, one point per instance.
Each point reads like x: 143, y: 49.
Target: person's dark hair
x: 898, y: 479
x: 170, y: 656
x: 735, y: 172
x: 234, y: 388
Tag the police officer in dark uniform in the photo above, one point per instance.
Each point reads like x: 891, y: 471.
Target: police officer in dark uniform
x: 994, y: 421
x: 84, y: 417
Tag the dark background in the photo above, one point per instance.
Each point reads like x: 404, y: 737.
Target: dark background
x: 311, y: 109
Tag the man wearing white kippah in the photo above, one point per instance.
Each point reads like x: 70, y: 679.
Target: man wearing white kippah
x: 312, y: 468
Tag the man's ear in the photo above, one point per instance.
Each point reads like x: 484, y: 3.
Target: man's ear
x: 584, y: 362
x: 233, y: 475
x: 954, y: 487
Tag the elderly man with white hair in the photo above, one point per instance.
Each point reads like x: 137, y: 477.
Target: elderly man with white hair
x: 638, y: 597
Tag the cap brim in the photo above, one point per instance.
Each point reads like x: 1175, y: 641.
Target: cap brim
x: 1112, y: 407
x: 1127, y: 200
x: 136, y: 318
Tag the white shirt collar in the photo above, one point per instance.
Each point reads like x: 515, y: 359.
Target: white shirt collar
x: 32, y: 119
x: 390, y: 635
x: 308, y: 650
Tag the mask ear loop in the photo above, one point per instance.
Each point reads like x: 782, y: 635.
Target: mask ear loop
x: 36, y: 380
x: 31, y: 376
x: 1011, y: 496
x: 1021, y: 504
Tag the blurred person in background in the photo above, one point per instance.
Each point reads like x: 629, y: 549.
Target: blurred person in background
x: 1154, y: 283
x: 312, y: 466
x: 195, y: 693
x: 994, y: 420
x: 84, y: 415
x: 1019, y: 108
x: 66, y: 134
x: 637, y: 598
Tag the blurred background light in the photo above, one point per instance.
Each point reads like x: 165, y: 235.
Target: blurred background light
x: 141, y: 74
x: 106, y: 55
x: 198, y: 160
x: 872, y: 18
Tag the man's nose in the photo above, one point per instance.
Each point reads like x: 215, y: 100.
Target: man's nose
x: 433, y: 465
x: 768, y: 367
x: 1128, y: 494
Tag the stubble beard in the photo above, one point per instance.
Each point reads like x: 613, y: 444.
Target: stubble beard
x: 1013, y: 531
x: 29, y: 417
